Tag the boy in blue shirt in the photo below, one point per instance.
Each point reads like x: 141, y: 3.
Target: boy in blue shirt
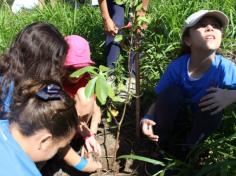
x: 200, y: 79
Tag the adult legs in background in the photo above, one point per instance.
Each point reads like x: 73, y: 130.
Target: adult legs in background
x: 117, y: 13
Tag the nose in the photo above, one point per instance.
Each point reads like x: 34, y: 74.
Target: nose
x: 209, y: 27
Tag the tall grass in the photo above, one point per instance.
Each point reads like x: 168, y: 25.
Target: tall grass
x: 160, y: 45
x: 85, y: 21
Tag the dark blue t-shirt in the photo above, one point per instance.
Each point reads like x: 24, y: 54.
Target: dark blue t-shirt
x: 222, y: 74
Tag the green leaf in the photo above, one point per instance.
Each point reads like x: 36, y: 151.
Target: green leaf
x: 118, y: 38
x: 102, y: 68
x: 89, y: 69
x: 112, y: 95
x: 135, y: 3
x: 109, y: 117
x: 101, y: 89
x: 111, y: 92
x: 89, y: 88
x: 143, y: 19
x: 119, y: 2
x: 141, y: 158
x: 118, y: 99
x: 139, y: 7
x: 216, y: 166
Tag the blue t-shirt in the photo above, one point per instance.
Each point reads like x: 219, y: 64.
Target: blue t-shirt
x: 13, y: 160
x: 7, y: 98
x: 221, y: 74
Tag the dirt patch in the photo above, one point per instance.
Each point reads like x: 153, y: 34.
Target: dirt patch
x: 128, y: 143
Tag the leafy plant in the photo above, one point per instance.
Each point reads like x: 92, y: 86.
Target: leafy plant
x: 98, y: 84
x: 159, y: 45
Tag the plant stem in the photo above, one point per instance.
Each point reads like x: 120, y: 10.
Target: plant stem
x: 118, y: 132
x: 137, y: 85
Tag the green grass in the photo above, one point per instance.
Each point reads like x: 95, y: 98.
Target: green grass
x: 162, y: 39
x: 85, y: 21
x: 159, y: 46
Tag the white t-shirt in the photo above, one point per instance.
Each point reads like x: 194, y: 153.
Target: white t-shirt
x: 18, y: 5
x: 94, y: 2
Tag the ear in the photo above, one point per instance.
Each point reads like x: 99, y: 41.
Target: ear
x: 222, y: 33
x: 45, y: 141
x: 187, y: 41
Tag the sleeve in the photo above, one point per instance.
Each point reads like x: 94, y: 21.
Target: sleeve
x: 229, y: 80
x: 169, y: 78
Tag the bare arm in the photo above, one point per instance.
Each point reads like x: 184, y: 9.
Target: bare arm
x: 87, y: 108
x: 72, y: 159
x: 148, y: 123
x: 96, y: 118
x: 104, y: 9
x: 109, y: 26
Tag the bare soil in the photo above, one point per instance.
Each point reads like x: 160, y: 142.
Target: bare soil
x: 128, y: 143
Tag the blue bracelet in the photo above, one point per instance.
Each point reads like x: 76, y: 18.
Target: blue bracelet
x: 81, y: 165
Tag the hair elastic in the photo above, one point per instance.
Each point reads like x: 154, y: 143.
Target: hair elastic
x: 49, y: 92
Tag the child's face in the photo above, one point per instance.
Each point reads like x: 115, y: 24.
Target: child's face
x: 69, y: 79
x: 206, y: 35
x: 51, y: 147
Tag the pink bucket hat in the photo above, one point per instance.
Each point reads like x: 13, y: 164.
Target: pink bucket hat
x: 78, y: 54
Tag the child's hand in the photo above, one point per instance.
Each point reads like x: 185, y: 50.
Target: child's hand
x: 92, y: 165
x: 148, y: 130
x: 110, y: 27
x: 92, y: 145
x: 83, y: 129
x: 216, y: 100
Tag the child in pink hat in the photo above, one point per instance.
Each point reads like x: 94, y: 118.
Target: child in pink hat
x: 79, y: 52
x: 78, y: 56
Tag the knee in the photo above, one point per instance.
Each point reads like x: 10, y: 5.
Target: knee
x: 171, y: 96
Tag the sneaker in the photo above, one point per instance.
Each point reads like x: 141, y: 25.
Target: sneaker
x: 119, y: 90
x: 125, y: 91
x: 111, y: 80
x: 131, y: 85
